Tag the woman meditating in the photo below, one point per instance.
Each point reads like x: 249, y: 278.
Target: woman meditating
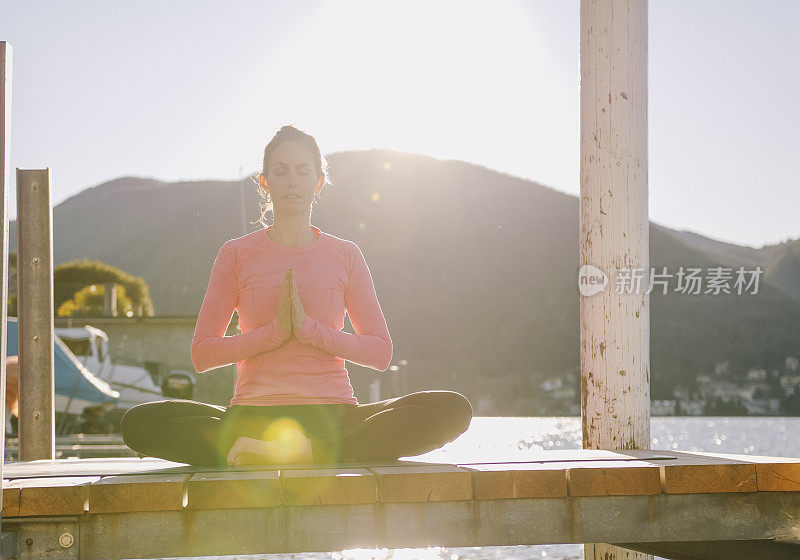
x: 291, y: 284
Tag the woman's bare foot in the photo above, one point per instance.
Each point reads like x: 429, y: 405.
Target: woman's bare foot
x: 250, y: 451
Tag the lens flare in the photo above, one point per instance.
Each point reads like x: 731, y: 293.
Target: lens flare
x: 289, y: 438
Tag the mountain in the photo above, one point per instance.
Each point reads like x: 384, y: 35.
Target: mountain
x: 777, y: 260
x: 476, y: 270
x: 783, y: 268
x: 723, y: 251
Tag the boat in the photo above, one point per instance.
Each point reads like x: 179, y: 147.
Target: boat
x: 76, y: 387
x: 136, y: 384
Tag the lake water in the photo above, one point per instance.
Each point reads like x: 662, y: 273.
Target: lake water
x: 506, y: 439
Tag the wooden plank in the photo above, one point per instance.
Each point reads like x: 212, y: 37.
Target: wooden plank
x: 518, y: 480
x: 566, y: 455
x: 106, y: 466
x: 219, y: 490
x: 328, y: 486
x: 432, y: 483
x: 98, y: 466
x: 773, y: 474
x: 10, y: 499
x: 147, y: 492
x: 687, y: 473
x: 778, y: 476
x: 614, y: 478
x: 45, y: 496
x: 704, y: 479
x: 697, y: 474
x: 746, y: 458
x: 495, y: 456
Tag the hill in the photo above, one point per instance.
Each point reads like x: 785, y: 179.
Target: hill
x: 475, y: 270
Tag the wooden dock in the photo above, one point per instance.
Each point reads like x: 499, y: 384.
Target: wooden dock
x: 79, y: 445
x: 731, y: 506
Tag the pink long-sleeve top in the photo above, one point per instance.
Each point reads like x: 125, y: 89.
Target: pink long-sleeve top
x: 273, y: 368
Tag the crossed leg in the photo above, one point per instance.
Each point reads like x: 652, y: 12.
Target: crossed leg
x: 178, y: 430
x: 400, y: 427
x: 192, y: 432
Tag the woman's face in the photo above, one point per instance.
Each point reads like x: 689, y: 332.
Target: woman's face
x: 292, y: 179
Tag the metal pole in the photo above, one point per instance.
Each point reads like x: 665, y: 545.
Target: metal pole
x: 35, y: 305
x: 5, y: 180
x: 614, y: 327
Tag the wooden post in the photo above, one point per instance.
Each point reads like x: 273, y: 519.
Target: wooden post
x: 5, y: 184
x: 615, y: 333
x: 35, y: 310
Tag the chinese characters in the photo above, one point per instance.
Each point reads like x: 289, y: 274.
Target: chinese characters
x: 692, y: 281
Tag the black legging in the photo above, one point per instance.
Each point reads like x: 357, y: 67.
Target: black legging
x: 202, y: 434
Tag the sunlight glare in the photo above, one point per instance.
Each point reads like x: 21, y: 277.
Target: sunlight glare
x: 419, y: 77
x: 288, y: 436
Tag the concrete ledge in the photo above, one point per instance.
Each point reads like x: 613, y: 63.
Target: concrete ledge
x: 737, y: 516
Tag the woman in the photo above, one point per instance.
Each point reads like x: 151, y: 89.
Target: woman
x: 291, y: 284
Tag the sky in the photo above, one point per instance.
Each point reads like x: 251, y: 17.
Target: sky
x: 185, y: 90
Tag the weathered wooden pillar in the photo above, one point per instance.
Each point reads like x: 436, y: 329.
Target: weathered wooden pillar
x: 614, y: 327
x: 5, y: 185
x: 35, y: 310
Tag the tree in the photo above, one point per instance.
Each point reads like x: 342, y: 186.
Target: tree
x: 77, y: 286
x: 88, y: 302
x: 71, y: 278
